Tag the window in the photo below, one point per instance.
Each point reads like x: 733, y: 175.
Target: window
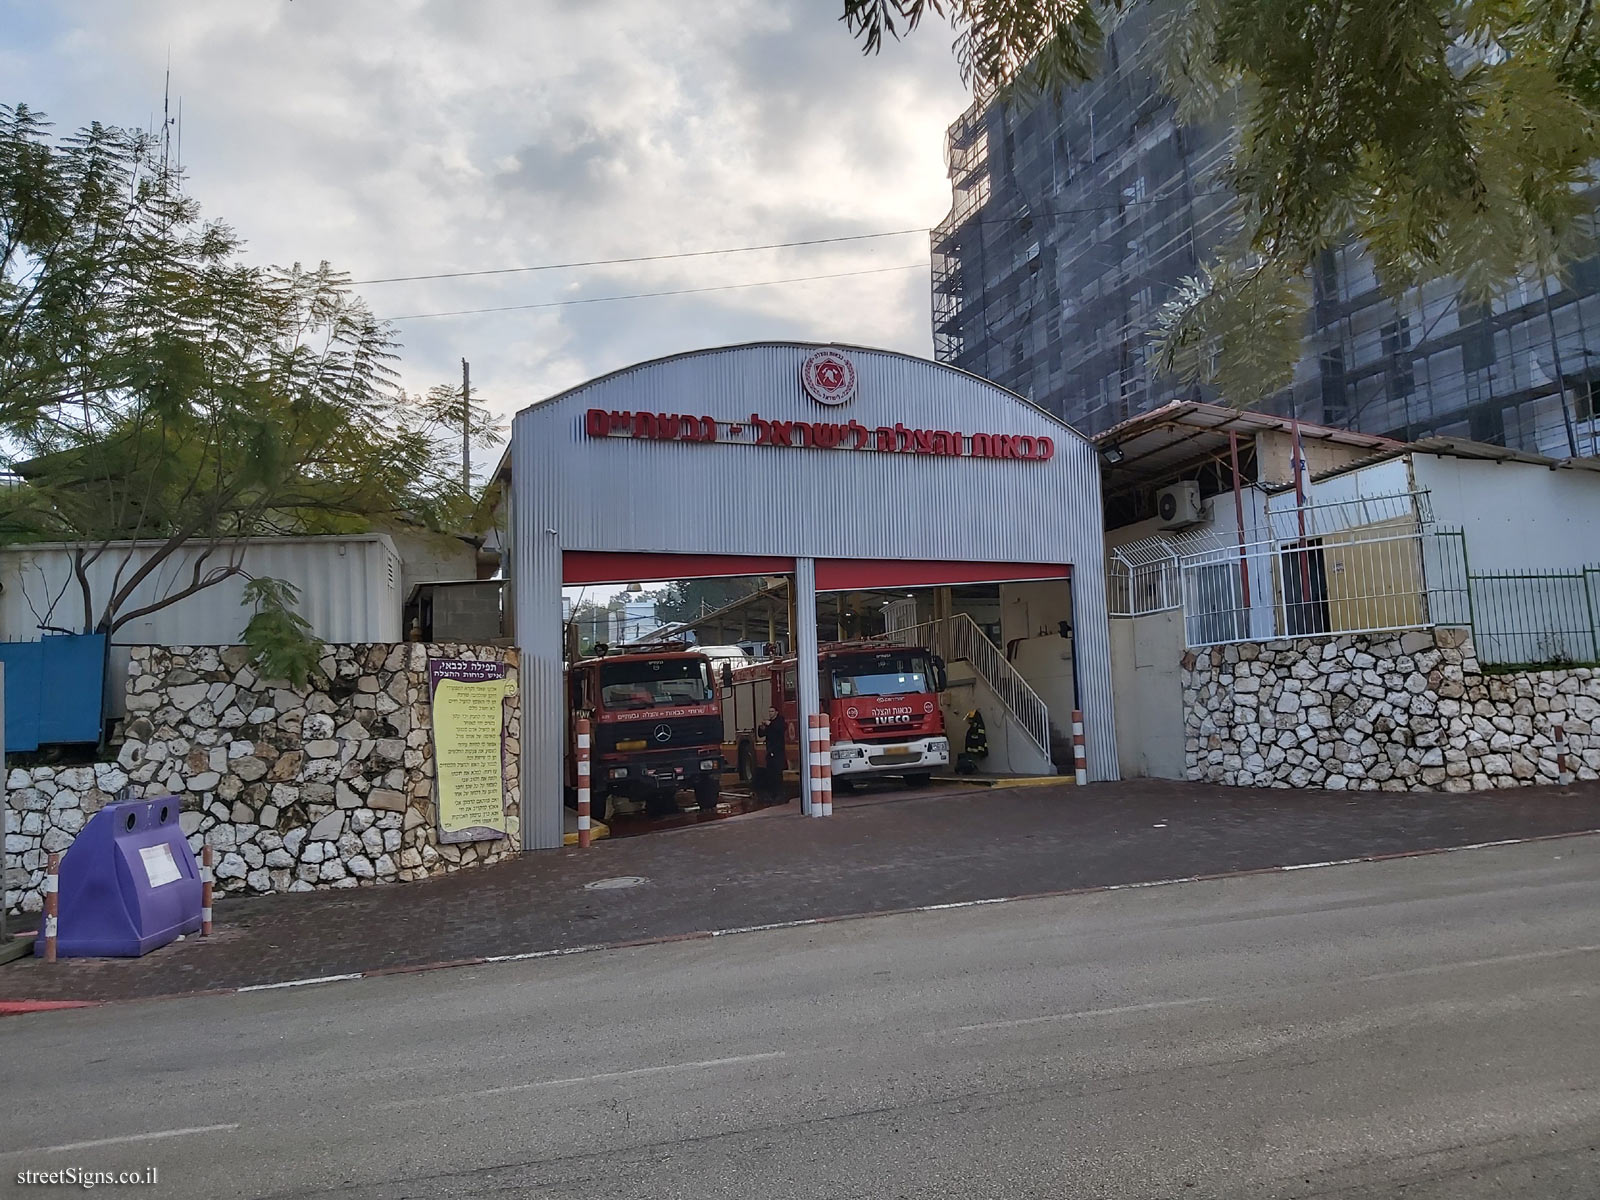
x: 1585, y: 398
x: 1331, y: 366
x: 1477, y: 336
x: 788, y: 684
x: 885, y: 673
x: 1327, y: 277
x: 1397, y: 349
x: 1214, y: 604
x: 655, y: 683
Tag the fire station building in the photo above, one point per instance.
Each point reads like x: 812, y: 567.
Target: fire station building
x: 847, y: 470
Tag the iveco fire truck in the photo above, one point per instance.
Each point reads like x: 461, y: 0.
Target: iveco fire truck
x: 656, y: 722
x: 882, y: 703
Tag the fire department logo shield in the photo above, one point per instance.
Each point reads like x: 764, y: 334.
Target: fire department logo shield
x: 828, y: 377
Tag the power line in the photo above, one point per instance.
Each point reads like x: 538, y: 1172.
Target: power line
x: 1049, y: 214
x: 642, y: 258
x: 725, y: 287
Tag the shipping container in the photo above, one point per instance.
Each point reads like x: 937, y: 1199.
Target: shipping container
x: 349, y: 591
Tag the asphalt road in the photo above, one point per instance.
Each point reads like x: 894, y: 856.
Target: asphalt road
x: 1427, y: 1028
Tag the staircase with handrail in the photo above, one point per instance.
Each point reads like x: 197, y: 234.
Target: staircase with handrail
x: 958, y: 638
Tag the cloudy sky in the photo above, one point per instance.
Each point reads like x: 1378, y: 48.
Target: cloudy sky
x: 406, y: 137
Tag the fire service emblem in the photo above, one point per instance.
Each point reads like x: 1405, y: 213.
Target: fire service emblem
x: 828, y: 377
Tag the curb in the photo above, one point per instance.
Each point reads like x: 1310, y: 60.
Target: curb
x: 19, y: 1007
x: 14, y: 1008
x: 1007, y: 781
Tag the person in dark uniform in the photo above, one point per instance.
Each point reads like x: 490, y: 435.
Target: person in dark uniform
x: 776, y: 735
x: 977, y: 745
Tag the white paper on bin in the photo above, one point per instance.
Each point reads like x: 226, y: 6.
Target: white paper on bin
x: 159, y: 865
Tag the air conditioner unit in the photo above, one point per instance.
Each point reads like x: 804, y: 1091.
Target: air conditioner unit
x: 1180, y: 506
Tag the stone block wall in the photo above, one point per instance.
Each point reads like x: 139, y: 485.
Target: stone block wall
x: 1401, y: 712
x: 329, y: 785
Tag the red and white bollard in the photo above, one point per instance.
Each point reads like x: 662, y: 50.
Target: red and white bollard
x: 1080, y: 761
x: 820, y: 762
x: 824, y: 726
x: 584, y: 793
x: 1563, y: 762
x: 52, y: 902
x: 208, y: 876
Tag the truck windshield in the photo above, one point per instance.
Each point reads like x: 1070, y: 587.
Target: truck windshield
x: 891, y: 673
x: 658, y: 683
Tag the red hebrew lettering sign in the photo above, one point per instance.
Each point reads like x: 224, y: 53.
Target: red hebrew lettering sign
x: 818, y: 435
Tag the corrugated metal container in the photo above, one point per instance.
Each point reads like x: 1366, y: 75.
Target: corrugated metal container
x: 349, y: 592
x: 574, y: 492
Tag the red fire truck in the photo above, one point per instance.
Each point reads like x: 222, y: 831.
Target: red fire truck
x: 882, y: 703
x: 657, y: 727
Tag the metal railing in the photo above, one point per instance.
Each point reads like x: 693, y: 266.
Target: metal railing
x: 1547, y: 618
x: 1347, y: 583
x: 1352, y: 513
x: 1389, y: 576
x: 958, y: 638
x: 1143, y: 578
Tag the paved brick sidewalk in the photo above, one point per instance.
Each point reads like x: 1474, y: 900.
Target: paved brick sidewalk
x: 927, y: 848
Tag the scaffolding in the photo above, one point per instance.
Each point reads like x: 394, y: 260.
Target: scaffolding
x: 1074, y: 217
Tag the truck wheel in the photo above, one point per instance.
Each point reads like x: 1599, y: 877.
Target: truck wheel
x: 747, y: 763
x: 706, y: 791
x: 920, y: 779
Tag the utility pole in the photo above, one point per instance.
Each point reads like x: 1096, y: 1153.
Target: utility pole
x: 466, y: 428
x: 1555, y: 354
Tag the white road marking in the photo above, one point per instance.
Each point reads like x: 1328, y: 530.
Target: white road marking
x: 1081, y: 1014
x: 158, y: 1135
x: 603, y: 1077
x: 294, y: 983
x: 1154, y: 1005
x: 1468, y: 964
x: 807, y: 922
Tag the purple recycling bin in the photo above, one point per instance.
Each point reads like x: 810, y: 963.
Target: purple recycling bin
x: 129, y: 883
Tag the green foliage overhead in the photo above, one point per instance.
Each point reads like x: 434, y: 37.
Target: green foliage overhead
x: 686, y: 599
x: 155, y: 386
x: 1453, y: 138
x: 281, y: 641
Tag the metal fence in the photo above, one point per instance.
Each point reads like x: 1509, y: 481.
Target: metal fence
x: 1536, y: 618
x: 1143, y: 578
x: 1351, y: 582
x: 1389, y: 576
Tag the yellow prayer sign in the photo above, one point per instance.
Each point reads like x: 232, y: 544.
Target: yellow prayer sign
x: 468, y: 748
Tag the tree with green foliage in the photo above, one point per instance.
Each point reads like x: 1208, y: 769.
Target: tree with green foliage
x: 1452, y: 138
x: 686, y: 599
x: 282, y: 640
x: 162, y: 400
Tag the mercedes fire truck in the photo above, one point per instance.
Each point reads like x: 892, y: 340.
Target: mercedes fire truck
x: 882, y: 703
x: 656, y: 722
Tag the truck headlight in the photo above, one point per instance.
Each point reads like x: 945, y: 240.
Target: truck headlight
x: 619, y: 773
x: 939, y: 746
x: 711, y: 764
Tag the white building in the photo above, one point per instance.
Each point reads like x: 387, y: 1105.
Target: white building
x: 1375, y: 535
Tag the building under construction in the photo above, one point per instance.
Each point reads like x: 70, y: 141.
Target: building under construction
x: 1074, y: 218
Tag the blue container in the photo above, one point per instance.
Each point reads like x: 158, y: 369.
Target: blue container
x: 129, y: 883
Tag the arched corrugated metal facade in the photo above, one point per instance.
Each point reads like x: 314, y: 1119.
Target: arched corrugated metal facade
x: 572, y: 490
